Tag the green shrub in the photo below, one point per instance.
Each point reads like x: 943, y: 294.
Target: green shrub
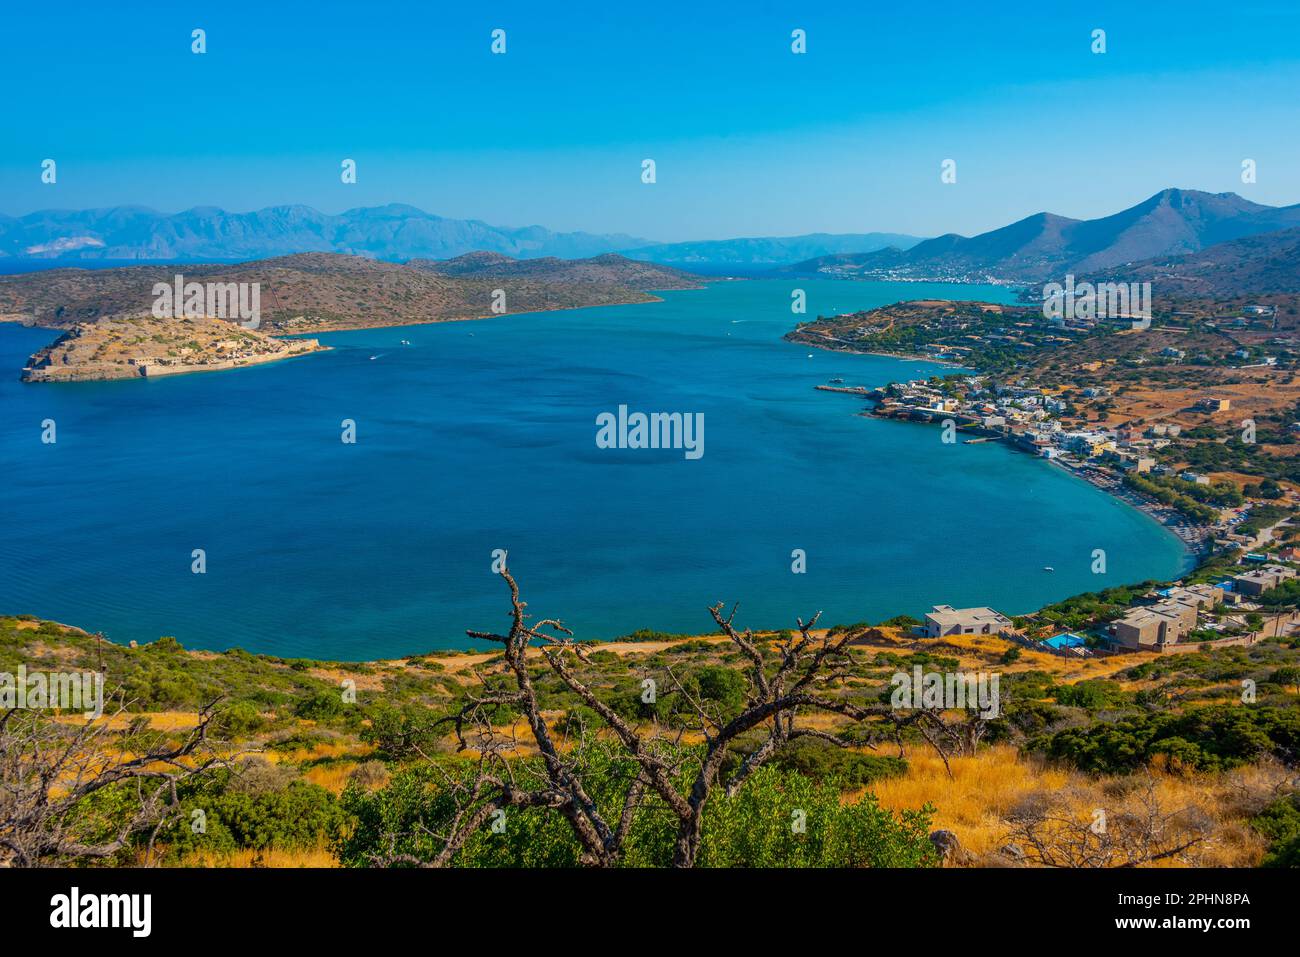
x: 824, y: 761
x: 1280, y: 823
x: 779, y: 818
x: 1212, y: 738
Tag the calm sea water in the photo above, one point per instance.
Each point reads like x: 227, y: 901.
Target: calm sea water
x: 481, y: 435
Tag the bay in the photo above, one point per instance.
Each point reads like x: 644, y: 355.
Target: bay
x: 480, y: 436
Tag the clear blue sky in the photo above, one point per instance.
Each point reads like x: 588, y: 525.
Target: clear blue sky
x: 749, y: 138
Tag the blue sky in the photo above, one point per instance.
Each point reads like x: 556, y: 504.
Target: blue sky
x: 748, y: 138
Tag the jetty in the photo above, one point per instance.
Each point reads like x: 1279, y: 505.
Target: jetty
x: 861, y: 390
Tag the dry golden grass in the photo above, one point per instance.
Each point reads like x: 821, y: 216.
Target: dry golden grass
x: 974, y: 802
x: 309, y: 857
x: 158, y: 720
x: 983, y: 791
x: 321, y: 750
x: 332, y: 777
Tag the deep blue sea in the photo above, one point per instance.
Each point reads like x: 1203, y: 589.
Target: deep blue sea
x: 481, y: 435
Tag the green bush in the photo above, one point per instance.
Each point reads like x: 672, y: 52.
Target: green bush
x: 1280, y: 823
x: 779, y: 818
x: 1212, y: 738
x: 320, y: 706
x: 824, y: 761
x: 299, y: 815
x: 401, y: 732
x: 1092, y: 694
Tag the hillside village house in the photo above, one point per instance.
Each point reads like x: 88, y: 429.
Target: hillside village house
x: 946, y: 620
x: 1212, y: 404
x: 1262, y: 579
x: 1167, y: 622
x: 1088, y: 443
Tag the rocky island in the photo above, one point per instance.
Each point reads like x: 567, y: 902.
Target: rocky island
x: 142, y: 346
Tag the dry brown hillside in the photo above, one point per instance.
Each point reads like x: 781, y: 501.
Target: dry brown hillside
x: 322, y: 291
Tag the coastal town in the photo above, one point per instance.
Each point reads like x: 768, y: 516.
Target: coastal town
x: 1190, y: 617
x: 1198, y: 435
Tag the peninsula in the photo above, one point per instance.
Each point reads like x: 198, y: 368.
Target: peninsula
x: 142, y: 346
x: 320, y: 292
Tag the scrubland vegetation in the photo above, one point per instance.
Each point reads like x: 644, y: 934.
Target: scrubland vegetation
x: 307, y: 763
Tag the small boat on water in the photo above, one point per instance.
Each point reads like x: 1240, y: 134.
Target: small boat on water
x: 1048, y: 568
x: 373, y: 358
x: 836, y: 381
x: 406, y: 342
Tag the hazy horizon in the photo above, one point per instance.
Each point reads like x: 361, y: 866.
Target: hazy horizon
x: 749, y: 138
x: 650, y: 240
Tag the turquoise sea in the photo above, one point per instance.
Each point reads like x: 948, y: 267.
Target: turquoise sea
x: 481, y: 435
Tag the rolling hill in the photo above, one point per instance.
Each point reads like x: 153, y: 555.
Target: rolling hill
x: 1260, y: 265
x: 321, y: 291
x: 1045, y: 246
x: 609, y: 268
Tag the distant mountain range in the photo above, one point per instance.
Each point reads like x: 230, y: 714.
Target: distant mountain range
x: 1179, y: 235
x: 394, y: 233
x: 312, y: 292
x: 1045, y: 246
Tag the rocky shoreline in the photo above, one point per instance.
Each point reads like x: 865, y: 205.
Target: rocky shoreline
x: 148, y: 348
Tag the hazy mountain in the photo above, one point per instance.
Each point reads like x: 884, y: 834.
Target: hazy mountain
x: 1046, y: 246
x: 768, y: 250
x: 312, y: 292
x: 1268, y: 263
x: 394, y: 232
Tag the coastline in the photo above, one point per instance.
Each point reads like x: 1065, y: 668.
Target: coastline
x: 357, y: 327
x: 1193, y: 542
x: 821, y: 342
x: 541, y: 325
x: 1168, y: 518
x: 28, y: 374
x: 151, y: 371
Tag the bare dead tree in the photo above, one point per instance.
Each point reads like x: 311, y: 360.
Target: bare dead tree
x: 794, y: 679
x: 51, y: 773
x: 950, y: 738
x: 1138, y: 832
